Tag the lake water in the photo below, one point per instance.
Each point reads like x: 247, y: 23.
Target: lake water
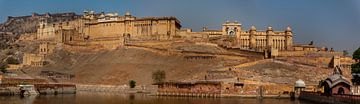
x: 103, y: 98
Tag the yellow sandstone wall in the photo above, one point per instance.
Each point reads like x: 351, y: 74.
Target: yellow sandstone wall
x: 33, y: 59
x: 28, y: 37
x: 105, y: 30
x: 303, y: 53
x: 14, y: 67
x: 46, y: 48
x: 268, y: 89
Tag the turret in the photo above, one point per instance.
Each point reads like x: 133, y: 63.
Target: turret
x: 86, y: 13
x: 288, y: 31
x: 269, y: 28
x: 102, y: 14
x: 288, y: 39
x: 269, y: 31
x: 204, y: 28
x: 252, y: 37
x: 92, y: 12
x: 252, y: 29
x: 89, y: 14
x: 127, y: 13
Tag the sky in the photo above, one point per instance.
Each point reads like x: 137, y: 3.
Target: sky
x: 331, y: 23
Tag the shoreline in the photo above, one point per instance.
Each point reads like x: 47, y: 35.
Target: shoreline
x: 147, y: 90
x: 225, y: 96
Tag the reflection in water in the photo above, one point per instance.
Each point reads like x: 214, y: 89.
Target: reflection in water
x: 28, y: 99
x: 103, y: 98
x: 131, y: 98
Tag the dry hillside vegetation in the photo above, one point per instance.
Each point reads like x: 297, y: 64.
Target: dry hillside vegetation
x: 133, y: 63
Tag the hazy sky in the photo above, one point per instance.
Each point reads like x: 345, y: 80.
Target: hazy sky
x: 332, y: 23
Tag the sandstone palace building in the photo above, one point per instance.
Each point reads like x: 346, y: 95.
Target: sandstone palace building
x: 110, y: 30
x: 252, y: 38
x: 110, y: 25
x: 98, y: 31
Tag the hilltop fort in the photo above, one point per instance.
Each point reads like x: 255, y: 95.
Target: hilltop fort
x: 112, y: 30
x: 112, y: 48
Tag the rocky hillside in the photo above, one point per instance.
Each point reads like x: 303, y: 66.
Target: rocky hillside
x: 27, y: 24
x: 13, y: 27
x: 11, y: 30
x: 181, y: 63
x: 133, y: 63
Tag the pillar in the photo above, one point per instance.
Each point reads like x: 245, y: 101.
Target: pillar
x: 277, y: 43
x: 281, y: 45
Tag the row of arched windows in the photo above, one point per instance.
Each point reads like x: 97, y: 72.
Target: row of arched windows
x: 260, y: 43
x: 279, y: 44
x: 44, y: 50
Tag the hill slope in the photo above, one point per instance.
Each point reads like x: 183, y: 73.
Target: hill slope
x: 131, y: 63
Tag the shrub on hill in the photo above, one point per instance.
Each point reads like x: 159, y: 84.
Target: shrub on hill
x: 356, y: 55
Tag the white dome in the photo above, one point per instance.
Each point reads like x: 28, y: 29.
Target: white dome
x: 299, y: 83
x: 127, y: 13
x: 252, y: 28
x: 288, y: 28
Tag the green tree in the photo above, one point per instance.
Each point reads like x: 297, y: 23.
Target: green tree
x: 3, y: 69
x: 356, y: 55
x: 355, y: 68
x: 132, y: 83
x: 158, y: 76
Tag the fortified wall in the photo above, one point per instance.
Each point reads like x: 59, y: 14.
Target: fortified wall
x: 233, y: 35
x: 111, y: 31
x: 36, y: 60
x: 108, y: 30
x: 29, y: 24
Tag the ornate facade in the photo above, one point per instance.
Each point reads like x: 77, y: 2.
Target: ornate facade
x: 251, y: 39
x: 111, y: 25
x: 108, y: 30
x: 257, y: 39
x: 33, y: 60
x: 111, y: 30
x: 46, y: 48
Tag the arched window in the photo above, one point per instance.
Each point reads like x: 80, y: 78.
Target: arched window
x: 341, y: 91
x: 231, y: 33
